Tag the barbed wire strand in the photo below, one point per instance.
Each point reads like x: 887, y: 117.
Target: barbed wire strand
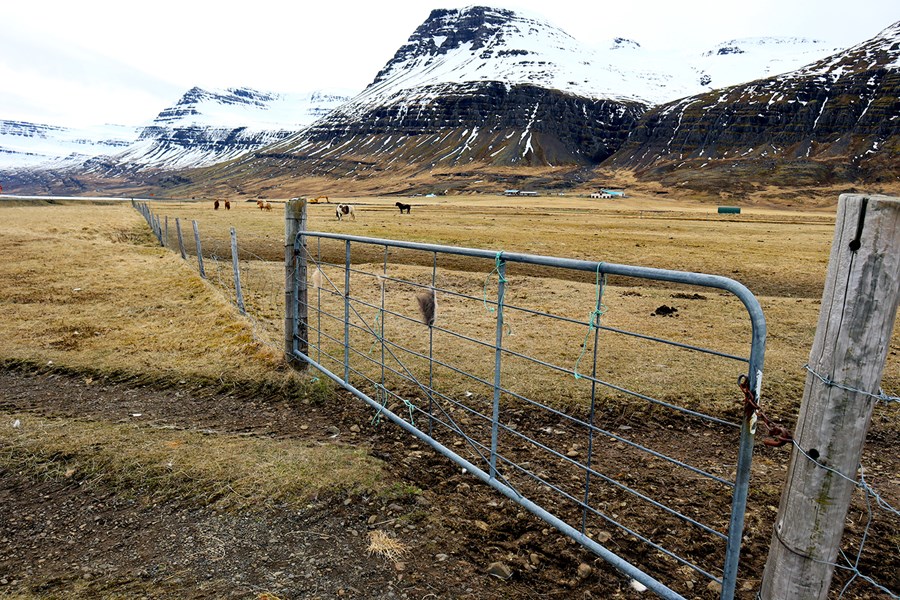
x: 881, y: 396
x: 868, y: 491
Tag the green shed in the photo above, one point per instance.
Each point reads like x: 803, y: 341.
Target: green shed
x: 729, y: 210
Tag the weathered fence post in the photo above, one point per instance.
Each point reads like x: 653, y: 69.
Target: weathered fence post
x: 199, y: 249
x: 166, y: 244
x: 296, y: 329
x: 859, y: 306
x: 157, y: 229
x: 235, y: 264
x: 180, y: 238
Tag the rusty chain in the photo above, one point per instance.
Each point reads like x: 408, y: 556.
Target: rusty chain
x: 778, y: 434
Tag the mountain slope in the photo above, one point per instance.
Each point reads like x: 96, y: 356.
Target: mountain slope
x: 837, y: 119
x: 33, y: 145
x: 471, y: 86
x: 484, y: 87
x: 207, y: 127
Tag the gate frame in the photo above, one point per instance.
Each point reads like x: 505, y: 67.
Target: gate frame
x: 297, y: 320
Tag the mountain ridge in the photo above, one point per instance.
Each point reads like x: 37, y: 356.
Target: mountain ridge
x: 483, y: 88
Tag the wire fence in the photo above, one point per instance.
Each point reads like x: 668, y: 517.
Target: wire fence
x: 869, y: 514
x: 571, y: 393
x: 247, y: 268
x: 567, y: 433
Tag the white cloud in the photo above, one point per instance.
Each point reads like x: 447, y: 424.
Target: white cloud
x: 96, y: 61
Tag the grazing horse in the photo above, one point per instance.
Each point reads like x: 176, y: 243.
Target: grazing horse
x: 227, y: 205
x: 344, y: 209
x: 264, y: 205
x: 216, y: 205
x: 403, y: 207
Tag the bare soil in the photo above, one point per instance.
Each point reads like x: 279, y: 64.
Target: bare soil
x: 72, y: 538
x: 75, y: 538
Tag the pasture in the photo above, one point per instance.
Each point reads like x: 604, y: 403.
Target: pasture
x: 88, y: 292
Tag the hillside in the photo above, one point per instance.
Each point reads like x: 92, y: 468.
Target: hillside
x: 836, y: 120
x: 482, y: 99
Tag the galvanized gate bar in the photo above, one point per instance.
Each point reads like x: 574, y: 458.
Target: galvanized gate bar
x: 488, y: 449
x: 498, y: 355
x: 623, y: 566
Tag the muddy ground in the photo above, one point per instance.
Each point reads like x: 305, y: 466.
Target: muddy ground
x: 73, y: 538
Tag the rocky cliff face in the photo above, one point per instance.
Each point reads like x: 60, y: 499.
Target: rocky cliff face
x: 836, y: 120
x: 476, y: 85
x: 490, y: 123
x: 207, y: 127
x: 33, y: 145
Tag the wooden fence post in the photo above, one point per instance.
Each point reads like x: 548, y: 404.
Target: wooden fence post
x: 859, y: 306
x: 180, y: 238
x: 235, y: 265
x: 296, y: 329
x: 199, y: 249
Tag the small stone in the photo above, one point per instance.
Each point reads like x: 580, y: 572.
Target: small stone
x: 603, y: 537
x: 332, y: 431
x: 714, y: 587
x: 441, y: 557
x: 400, y: 566
x: 534, y: 559
x: 584, y: 570
x: 355, y: 428
x: 500, y: 570
x: 637, y: 586
x: 372, y: 519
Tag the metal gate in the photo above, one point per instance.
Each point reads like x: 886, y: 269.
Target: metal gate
x: 554, y: 381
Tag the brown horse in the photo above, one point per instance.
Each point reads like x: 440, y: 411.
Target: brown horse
x: 403, y: 207
x: 216, y: 205
x: 227, y: 205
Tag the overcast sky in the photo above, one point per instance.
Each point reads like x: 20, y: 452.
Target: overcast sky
x: 87, y: 62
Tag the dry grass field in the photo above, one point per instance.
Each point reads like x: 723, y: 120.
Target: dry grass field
x: 87, y: 293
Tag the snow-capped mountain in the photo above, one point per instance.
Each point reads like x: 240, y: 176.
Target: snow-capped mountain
x: 481, y: 44
x: 836, y: 119
x: 202, y: 128
x: 499, y: 87
x: 26, y: 145
x: 492, y: 87
x: 207, y: 127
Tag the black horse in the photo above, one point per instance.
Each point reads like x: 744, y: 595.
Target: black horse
x: 403, y: 207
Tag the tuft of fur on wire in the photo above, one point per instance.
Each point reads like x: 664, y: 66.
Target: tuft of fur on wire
x: 317, y: 279
x: 428, y: 306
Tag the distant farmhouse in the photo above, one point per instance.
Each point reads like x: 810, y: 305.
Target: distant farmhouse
x: 604, y: 193
x: 519, y: 193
